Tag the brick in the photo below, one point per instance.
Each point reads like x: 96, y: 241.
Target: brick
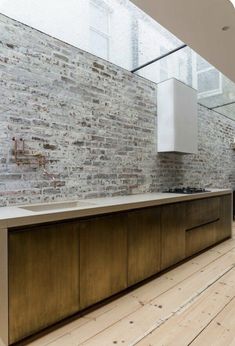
x: 96, y: 123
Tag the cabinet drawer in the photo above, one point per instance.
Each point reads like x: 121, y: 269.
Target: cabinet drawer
x: 199, y: 238
x: 202, y: 211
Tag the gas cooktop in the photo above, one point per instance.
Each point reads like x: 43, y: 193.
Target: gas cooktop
x: 186, y: 190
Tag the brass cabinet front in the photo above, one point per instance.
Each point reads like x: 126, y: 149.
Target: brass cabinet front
x: 173, y: 234
x: 202, y: 211
x: 225, y: 223
x: 58, y: 269
x: 144, y: 244
x: 209, y: 221
x: 43, y: 277
x: 201, y: 237
x: 103, y: 258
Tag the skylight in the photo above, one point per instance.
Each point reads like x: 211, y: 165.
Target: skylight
x: 118, y: 31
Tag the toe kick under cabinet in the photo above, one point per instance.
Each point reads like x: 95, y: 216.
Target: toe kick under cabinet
x: 56, y: 270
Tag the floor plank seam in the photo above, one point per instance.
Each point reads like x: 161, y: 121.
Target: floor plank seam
x: 149, y: 301
x: 94, y: 335
x: 192, y: 274
x: 198, y: 293
x: 182, y: 307
x: 220, y: 250
x: 207, y: 325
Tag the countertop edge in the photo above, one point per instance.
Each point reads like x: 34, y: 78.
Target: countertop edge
x: 96, y: 209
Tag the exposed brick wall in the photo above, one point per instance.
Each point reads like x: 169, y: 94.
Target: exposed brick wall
x: 95, y: 122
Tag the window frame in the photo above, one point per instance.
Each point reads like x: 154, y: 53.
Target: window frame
x: 163, y: 50
x: 196, y: 73
x: 107, y: 35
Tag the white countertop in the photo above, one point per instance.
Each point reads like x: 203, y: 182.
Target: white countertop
x: 18, y: 216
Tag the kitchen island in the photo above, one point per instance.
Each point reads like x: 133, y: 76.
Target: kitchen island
x: 58, y: 259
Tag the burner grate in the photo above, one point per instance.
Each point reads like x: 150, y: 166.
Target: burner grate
x: 186, y: 190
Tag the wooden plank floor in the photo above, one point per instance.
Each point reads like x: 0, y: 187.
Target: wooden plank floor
x: 193, y: 304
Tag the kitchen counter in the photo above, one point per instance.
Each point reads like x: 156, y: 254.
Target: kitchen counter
x: 16, y: 216
x: 76, y: 264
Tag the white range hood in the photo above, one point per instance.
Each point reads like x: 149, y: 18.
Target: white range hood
x: 177, y: 117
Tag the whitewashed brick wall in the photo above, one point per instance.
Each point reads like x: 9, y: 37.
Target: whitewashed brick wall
x: 95, y: 122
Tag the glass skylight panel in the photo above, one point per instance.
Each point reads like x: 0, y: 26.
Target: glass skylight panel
x: 177, y: 65
x: 202, y: 64
x: 228, y: 111
x: 209, y: 82
x: 118, y: 31
x: 99, y: 45
x: 215, y: 91
x: 130, y: 36
x: 99, y: 17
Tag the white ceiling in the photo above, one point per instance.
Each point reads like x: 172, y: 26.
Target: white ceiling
x: 199, y: 24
